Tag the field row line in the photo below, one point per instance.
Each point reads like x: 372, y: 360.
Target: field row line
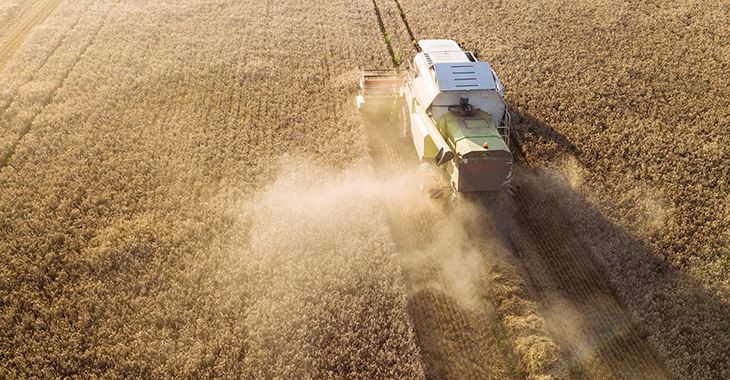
x: 393, y: 39
x: 15, y: 84
x: 670, y: 27
x: 47, y: 99
x: 505, y: 343
x: 405, y: 21
x: 6, y: 54
x: 18, y: 35
x: 379, y: 16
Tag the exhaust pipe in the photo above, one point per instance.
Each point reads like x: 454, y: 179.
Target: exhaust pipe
x: 464, y: 108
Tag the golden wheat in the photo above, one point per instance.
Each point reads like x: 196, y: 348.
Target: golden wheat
x: 135, y: 151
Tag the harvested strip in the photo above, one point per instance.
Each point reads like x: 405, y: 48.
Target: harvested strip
x: 443, y: 271
x: 572, y: 289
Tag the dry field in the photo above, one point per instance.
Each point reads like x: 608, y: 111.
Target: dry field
x: 622, y: 108
x: 187, y: 191
x: 142, y: 229
x: 17, y: 19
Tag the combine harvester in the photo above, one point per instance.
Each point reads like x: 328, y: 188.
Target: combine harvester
x: 453, y: 108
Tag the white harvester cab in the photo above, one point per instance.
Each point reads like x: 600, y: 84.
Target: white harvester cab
x: 453, y: 108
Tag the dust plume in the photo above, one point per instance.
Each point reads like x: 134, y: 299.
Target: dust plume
x: 334, y: 256
x: 327, y: 292
x: 436, y: 251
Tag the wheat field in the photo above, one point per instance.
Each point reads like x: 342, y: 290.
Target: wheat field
x: 188, y: 191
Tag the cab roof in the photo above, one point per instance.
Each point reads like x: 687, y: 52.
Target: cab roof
x: 454, y: 70
x: 428, y: 46
x: 443, y: 51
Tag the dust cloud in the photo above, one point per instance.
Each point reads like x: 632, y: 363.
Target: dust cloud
x: 333, y: 256
x: 327, y: 292
x: 437, y: 252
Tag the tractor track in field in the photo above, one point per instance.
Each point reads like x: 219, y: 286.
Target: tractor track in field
x: 48, y: 56
x: 381, y: 24
x: 31, y: 14
x: 582, y: 310
x: 48, y: 98
x: 596, y: 337
x: 456, y: 342
x: 405, y: 21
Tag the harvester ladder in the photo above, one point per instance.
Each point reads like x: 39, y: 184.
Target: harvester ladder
x: 503, y: 126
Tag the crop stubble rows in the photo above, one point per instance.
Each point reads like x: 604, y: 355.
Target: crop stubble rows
x: 116, y: 205
x: 443, y: 272
x: 139, y: 235
x: 519, y: 322
x: 581, y: 308
x: 634, y: 94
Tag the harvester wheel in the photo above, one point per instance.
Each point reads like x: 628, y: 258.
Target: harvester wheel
x: 405, y: 118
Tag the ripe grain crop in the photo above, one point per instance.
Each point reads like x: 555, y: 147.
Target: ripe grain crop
x: 152, y: 226
x: 8, y: 9
x: 136, y: 151
x: 17, y: 19
x: 684, y: 320
x: 632, y: 113
x: 41, y: 65
x: 636, y: 93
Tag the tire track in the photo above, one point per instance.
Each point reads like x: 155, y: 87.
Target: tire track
x: 25, y: 20
x: 6, y: 157
x: 455, y: 342
x: 405, y: 22
x: 18, y: 84
x: 596, y: 336
x: 398, y: 35
x: 582, y: 310
x: 384, y: 33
